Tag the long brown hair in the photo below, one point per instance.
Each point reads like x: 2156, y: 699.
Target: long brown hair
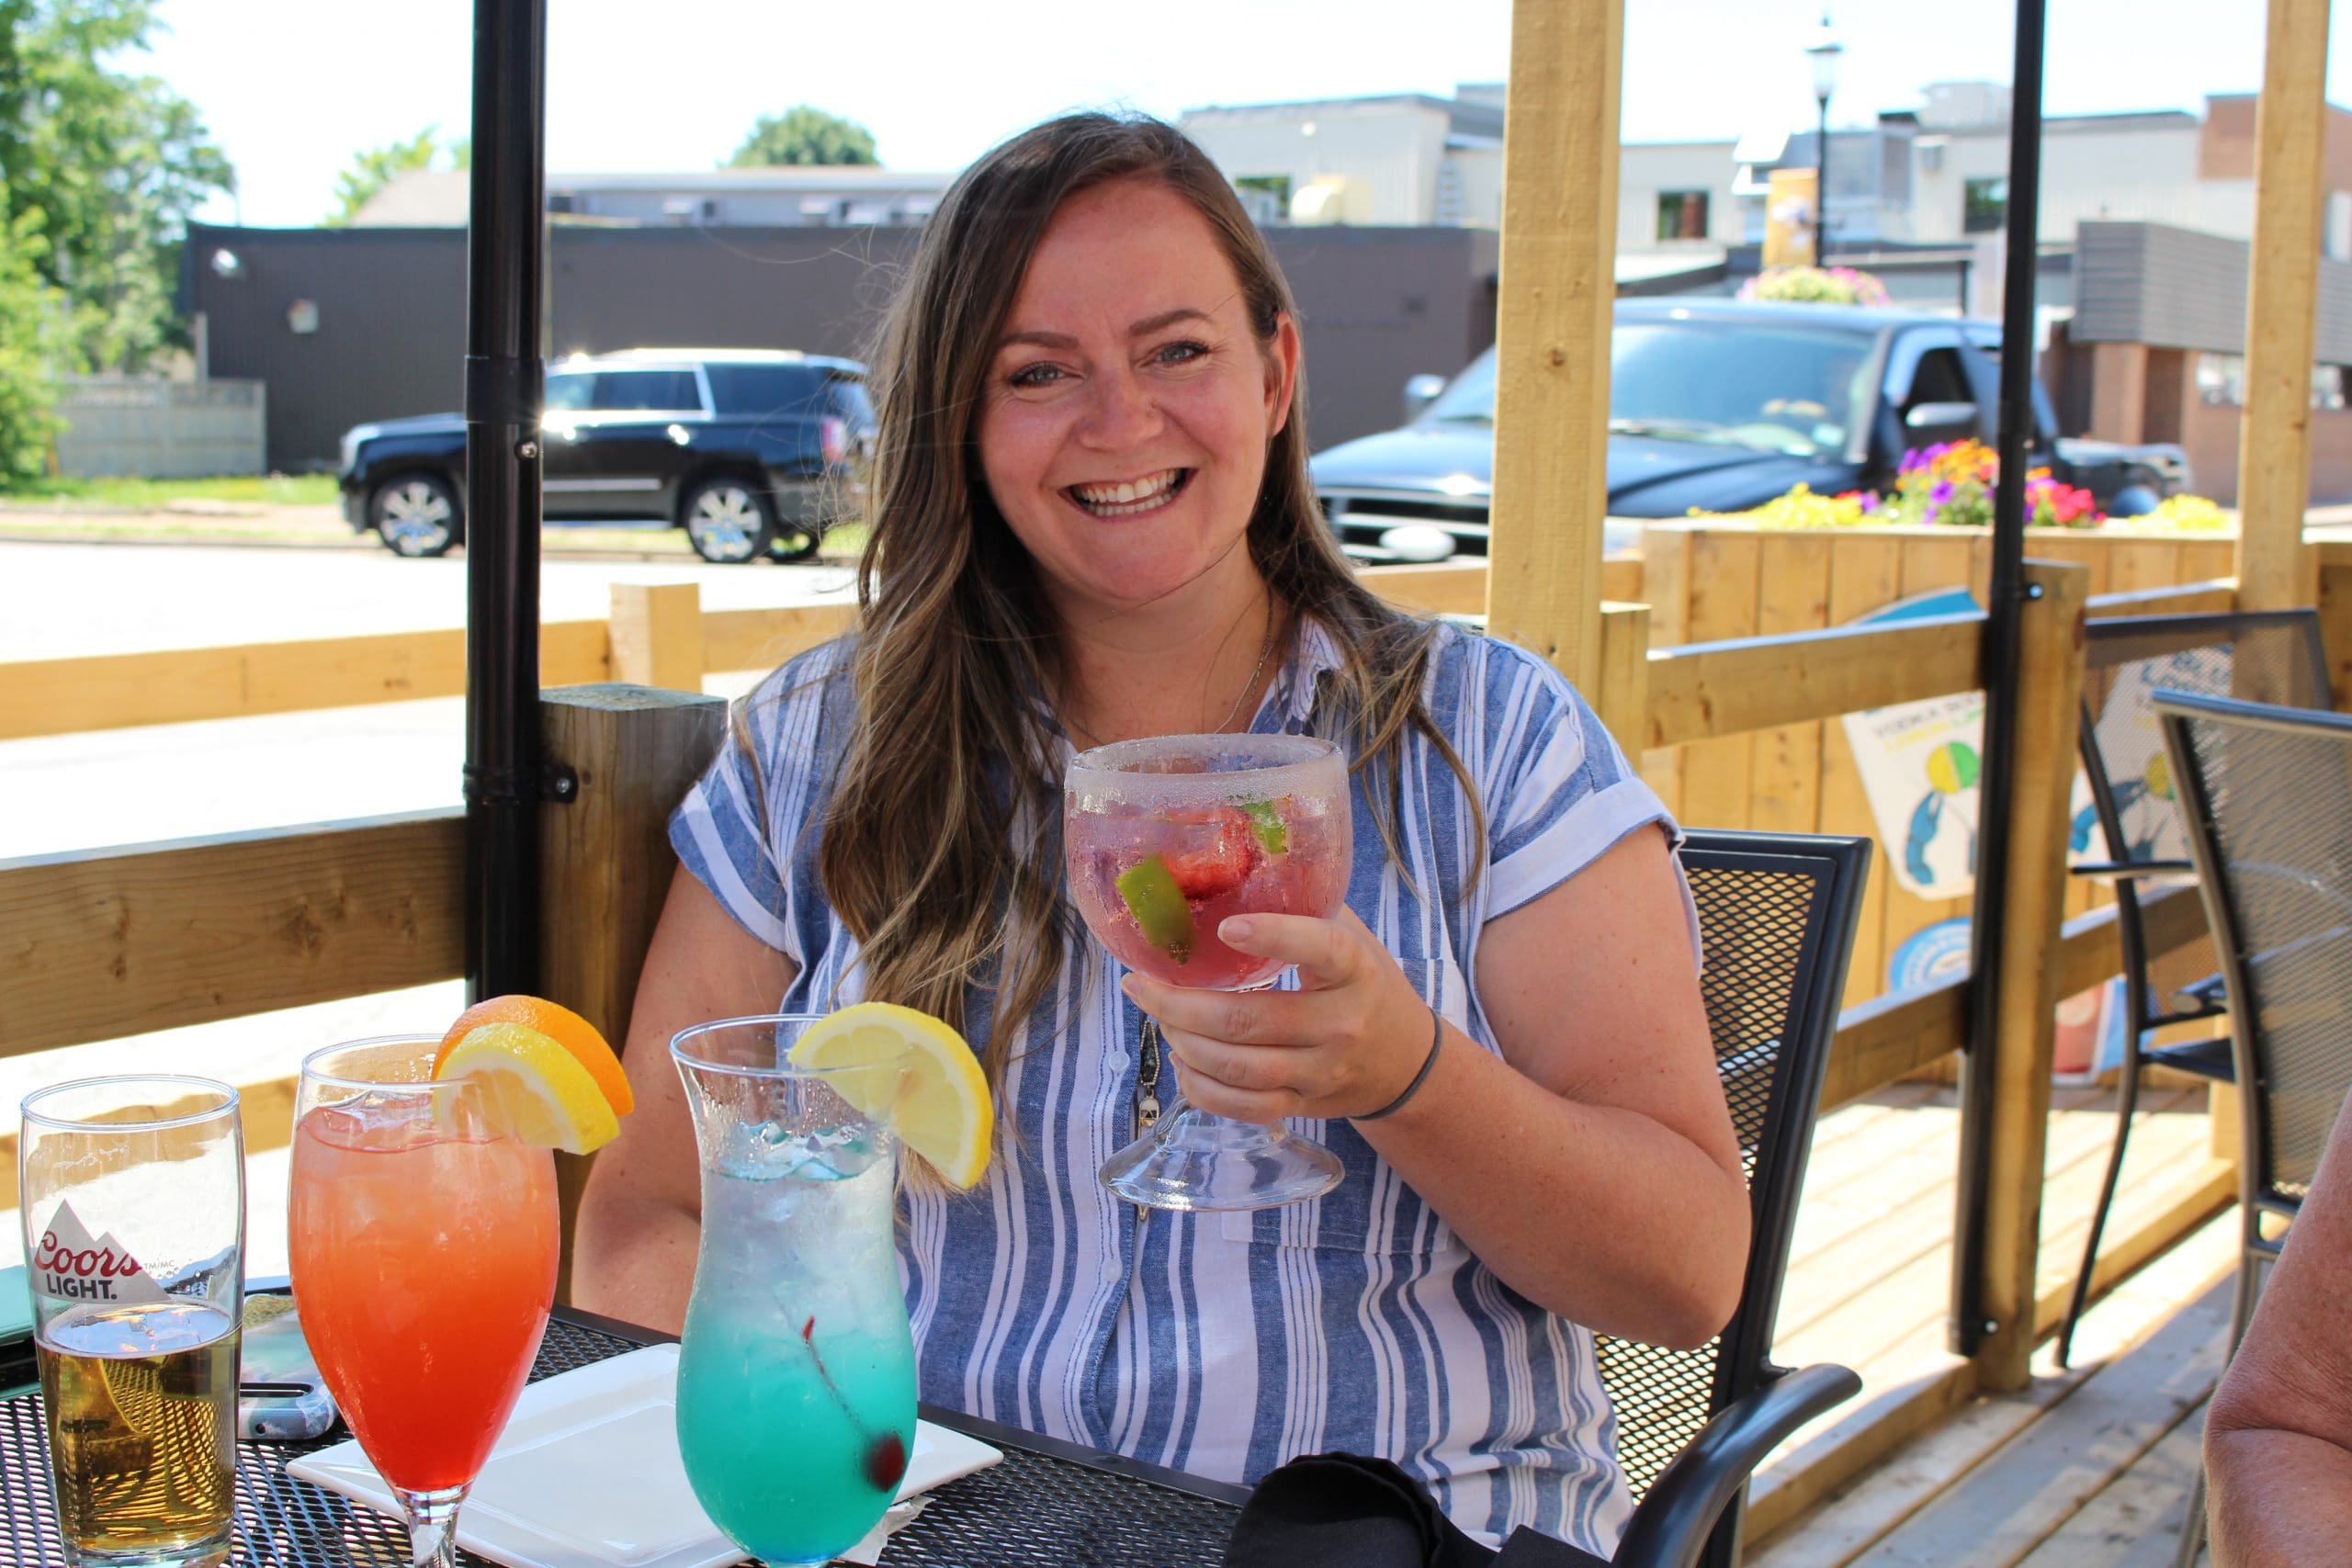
x: 941, y: 847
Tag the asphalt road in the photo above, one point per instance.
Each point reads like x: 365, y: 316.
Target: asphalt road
x: 84, y: 790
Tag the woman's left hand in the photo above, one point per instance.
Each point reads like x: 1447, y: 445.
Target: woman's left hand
x: 1345, y: 1043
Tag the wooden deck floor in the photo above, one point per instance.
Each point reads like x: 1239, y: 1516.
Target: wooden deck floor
x: 2091, y: 1465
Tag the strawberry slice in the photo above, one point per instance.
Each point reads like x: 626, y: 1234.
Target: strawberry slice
x: 1216, y: 860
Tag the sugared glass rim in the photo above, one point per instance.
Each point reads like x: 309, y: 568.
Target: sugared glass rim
x: 1117, y: 759
x: 187, y: 1081
x: 679, y: 1054
x: 312, y: 1074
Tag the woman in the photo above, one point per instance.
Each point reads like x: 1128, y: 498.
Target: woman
x: 1093, y: 520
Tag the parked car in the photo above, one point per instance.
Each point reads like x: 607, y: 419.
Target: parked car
x: 1721, y: 404
x: 752, y: 451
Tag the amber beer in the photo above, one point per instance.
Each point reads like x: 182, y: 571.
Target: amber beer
x: 140, y: 1402
x: 134, y: 1216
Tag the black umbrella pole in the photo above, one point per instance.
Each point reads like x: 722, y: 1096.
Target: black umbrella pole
x: 505, y: 378
x: 2004, y: 637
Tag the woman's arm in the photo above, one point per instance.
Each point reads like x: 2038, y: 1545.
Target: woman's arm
x: 642, y: 1214
x: 2278, y: 1435
x: 1593, y: 1166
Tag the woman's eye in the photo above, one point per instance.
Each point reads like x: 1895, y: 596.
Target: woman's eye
x: 1183, y: 353
x: 1034, y: 375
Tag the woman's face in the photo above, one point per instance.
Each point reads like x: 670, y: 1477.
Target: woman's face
x: 1129, y: 412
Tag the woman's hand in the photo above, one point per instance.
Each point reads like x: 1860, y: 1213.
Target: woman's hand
x: 1345, y: 1043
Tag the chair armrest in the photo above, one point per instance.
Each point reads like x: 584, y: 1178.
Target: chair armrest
x: 2126, y: 870
x: 1671, y: 1526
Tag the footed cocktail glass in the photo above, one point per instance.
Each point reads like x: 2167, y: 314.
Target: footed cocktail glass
x: 1165, y: 839
x: 424, y: 1237
x: 796, y: 1372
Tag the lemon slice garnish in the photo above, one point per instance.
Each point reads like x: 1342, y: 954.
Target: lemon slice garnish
x: 533, y: 1087
x: 924, y: 1082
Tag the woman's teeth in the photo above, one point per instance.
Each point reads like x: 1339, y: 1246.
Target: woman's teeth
x: 1128, y: 497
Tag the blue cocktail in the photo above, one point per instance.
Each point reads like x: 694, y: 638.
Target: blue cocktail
x: 795, y: 1374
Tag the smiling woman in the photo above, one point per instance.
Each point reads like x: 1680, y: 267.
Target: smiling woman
x: 1091, y: 521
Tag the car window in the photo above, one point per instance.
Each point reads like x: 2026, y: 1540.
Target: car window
x: 1469, y: 398
x: 1782, y: 388
x: 568, y: 391
x: 849, y: 397
x: 755, y: 390
x: 1941, y: 378
x: 626, y: 390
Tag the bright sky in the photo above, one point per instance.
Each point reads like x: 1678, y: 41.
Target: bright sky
x: 291, y: 89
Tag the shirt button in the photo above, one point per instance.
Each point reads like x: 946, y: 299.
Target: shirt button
x: 1115, y: 1059
x: 1293, y: 727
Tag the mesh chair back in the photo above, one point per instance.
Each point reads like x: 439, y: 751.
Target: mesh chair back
x: 1776, y: 921
x: 2256, y: 655
x: 2267, y: 795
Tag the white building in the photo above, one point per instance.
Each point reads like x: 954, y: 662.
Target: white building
x: 788, y: 196
x: 1408, y: 160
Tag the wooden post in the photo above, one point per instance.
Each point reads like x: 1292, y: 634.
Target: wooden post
x: 2048, y: 693
x: 606, y: 854
x: 1618, y: 688
x: 657, y: 634
x: 2282, y: 310
x: 2334, y: 563
x: 1559, y: 288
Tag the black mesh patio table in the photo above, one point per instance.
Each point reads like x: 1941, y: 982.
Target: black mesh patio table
x: 1045, y: 1504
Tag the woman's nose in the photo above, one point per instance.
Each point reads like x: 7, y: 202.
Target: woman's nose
x: 1122, y: 414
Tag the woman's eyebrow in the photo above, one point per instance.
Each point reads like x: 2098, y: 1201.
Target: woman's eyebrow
x: 1143, y: 328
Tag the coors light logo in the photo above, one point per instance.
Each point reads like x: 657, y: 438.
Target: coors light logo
x: 68, y: 1266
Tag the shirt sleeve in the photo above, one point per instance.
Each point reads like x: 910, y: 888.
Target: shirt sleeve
x: 1558, y: 791
x: 739, y: 831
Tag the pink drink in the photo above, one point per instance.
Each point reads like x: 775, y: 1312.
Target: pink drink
x: 1221, y: 869
x: 1166, y: 839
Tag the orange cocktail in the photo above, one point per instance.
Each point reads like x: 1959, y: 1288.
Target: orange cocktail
x: 424, y: 1260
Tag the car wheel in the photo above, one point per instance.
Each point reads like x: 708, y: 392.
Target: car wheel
x: 415, y: 516
x: 728, y: 521
x: 796, y: 541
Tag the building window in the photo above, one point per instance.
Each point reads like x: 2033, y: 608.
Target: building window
x: 2327, y: 388
x: 2220, y: 378
x: 1266, y: 197
x: 1682, y: 215
x: 1983, y: 205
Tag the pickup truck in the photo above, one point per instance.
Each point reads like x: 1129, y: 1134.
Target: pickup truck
x: 752, y: 451
x: 1720, y: 405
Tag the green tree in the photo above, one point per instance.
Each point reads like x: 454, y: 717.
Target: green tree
x: 804, y: 135
x: 110, y: 163
x: 32, y: 349
x: 377, y: 167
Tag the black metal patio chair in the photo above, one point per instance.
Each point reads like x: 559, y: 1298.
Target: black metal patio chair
x: 1777, y: 914
x: 2267, y: 794
x: 2263, y: 656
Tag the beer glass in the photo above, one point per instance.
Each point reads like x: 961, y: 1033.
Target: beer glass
x: 133, y: 1193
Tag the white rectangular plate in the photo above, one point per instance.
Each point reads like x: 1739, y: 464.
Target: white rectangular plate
x: 587, y: 1474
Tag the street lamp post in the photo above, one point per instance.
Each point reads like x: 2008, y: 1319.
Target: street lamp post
x: 1824, y: 52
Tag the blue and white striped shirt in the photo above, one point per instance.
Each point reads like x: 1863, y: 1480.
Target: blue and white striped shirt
x: 1226, y: 1344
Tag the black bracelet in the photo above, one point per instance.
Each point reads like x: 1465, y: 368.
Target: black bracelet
x: 1436, y: 1038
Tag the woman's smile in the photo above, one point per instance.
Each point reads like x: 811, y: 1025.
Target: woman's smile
x: 1130, y: 498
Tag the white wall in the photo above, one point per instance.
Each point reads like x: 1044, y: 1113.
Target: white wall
x: 1389, y: 149
x: 2140, y: 174
x: 1645, y: 169
x: 1480, y: 171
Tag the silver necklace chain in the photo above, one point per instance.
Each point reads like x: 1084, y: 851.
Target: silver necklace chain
x: 1265, y: 651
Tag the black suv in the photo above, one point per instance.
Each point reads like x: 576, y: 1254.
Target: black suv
x: 752, y: 451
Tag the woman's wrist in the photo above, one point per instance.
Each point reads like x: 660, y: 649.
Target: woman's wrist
x: 1429, y: 1063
